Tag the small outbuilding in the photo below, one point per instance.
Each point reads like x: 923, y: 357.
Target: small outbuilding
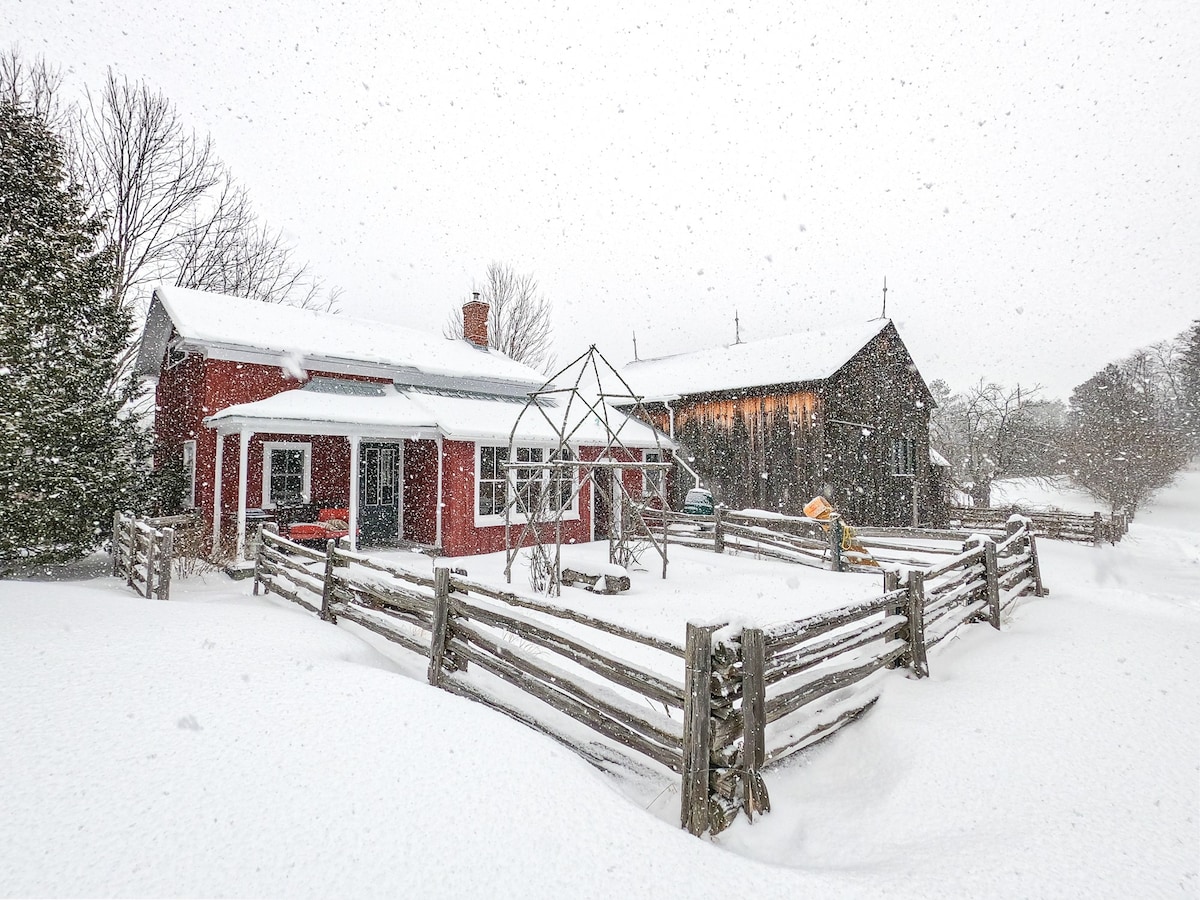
x: 769, y: 424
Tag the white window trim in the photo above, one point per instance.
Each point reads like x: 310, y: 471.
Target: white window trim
x: 571, y: 514
x: 268, y: 446
x: 189, y: 470
x: 648, y: 490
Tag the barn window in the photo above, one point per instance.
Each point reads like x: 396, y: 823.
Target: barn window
x: 904, y: 456
x: 287, y: 469
x: 652, y: 479
x: 491, y: 480
x: 189, y: 474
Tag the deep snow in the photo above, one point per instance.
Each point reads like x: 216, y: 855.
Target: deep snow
x: 225, y: 744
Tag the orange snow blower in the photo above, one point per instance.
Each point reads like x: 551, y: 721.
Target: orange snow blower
x: 822, y: 510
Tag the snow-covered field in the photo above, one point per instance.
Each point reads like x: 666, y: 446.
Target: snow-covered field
x: 223, y: 744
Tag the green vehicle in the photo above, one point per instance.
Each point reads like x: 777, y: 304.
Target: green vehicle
x: 699, y: 502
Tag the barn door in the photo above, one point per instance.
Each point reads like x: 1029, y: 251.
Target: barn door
x: 379, y: 494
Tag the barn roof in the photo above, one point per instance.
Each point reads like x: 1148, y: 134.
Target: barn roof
x: 807, y: 356
x: 337, y: 406
x: 226, y: 327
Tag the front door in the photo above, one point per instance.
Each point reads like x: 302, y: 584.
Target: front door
x: 378, y: 494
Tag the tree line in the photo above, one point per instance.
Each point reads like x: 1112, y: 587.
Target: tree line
x: 1124, y: 434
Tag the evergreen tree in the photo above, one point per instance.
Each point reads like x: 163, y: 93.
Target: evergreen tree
x: 64, y: 453
x: 1189, y: 364
x: 1118, y: 448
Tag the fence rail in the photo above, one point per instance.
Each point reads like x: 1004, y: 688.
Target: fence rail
x: 1062, y: 526
x: 743, y: 699
x: 143, y: 551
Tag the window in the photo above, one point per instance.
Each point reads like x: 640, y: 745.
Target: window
x: 526, y: 486
x: 492, y: 480
x: 652, y: 479
x: 904, y: 456
x: 286, y: 472
x: 189, y: 474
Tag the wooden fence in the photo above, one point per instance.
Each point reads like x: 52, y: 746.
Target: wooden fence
x: 143, y: 552
x: 742, y: 699
x: 1061, y: 526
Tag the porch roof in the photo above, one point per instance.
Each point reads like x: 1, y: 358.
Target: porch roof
x: 337, y: 407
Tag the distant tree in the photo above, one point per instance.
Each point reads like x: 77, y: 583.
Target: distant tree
x: 1118, y: 447
x: 519, y: 317
x: 33, y: 85
x: 1189, y: 382
x: 64, y: 451
x: 991, y: 431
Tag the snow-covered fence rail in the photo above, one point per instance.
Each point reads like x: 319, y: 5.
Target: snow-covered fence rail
x: 1062, y: 526
x: 143, y: 552
x: 483, y: 643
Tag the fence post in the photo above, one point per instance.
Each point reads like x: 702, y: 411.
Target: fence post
x: 441, y: 622
x: 1039, y: 589
x: 116, y: 543
x: 166, y: 557
x: 754, y: 689
x: 835, y: 544
x: 131, y: 561
x: 718, y: 530
x: 915, y: 630
x: 1097, y: 528
x: 991, y: 575
x: 327, y: 583
x: 151, y: 544
x: 891, y: 582
x: 697, y: 728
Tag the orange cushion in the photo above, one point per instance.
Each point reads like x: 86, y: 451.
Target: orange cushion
x: 326, y: 514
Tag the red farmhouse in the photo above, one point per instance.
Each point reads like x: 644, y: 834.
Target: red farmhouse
x: 289, y: 411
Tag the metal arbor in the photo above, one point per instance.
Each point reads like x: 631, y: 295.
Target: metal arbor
x: 574, y: 408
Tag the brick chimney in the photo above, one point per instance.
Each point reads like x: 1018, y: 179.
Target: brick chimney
x: 475, y: 317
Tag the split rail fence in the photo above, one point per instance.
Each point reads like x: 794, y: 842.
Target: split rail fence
x: 143, y: 552
x: 717, y: 711
x: 1061, y: 526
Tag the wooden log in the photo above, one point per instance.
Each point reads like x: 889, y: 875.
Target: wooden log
x: 697, y: 725
x: 562, y: 612
x: 399, y: 599
x: 964, y: 615
x: 787, y: 665
x: 797, y: 556
x: 166, y: 559
x: 785, y: 704
x: 1097, y: 528
x: 621, y: 671
x: 441, y: 622
x: 282, y: 545
x: 964, y: 559
x: 115, y: 544
x: 131, y: 562
x: 819, y: 733
x: 294, y: 596
x: 992, y: 581
x: 754, y: 696
x: 347, y: 556
x: 382, y: 629
x: 789, y: 634
x: 151, y: 544
x: 595, y: 753
x: 915, y: 657
x: 718, y: 530
x: 485, y: 651
x: 777, y: 539
x: 293, y: 571
x: 897, y: 607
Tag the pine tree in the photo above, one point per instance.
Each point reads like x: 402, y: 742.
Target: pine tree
x: 1190, y: 383
x: 63, y: 449
x: 1119, y: 450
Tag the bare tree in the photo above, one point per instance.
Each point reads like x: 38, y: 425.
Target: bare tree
x: 992, y: 432
x: 519, y: 317
x: 229, y: 251
x: 33, y: 86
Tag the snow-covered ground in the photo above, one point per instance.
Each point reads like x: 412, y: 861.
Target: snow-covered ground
x: 1057, y: 493
x: 222, y: 744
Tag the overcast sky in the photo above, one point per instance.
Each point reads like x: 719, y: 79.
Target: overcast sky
x: 1025, y: 175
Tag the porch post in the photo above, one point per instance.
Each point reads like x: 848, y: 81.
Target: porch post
x: 353, y: 523
x: 216, y: 523
x: 243, y: 459
x: 437, y: 540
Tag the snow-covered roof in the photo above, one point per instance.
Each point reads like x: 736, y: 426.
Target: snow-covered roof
x: 937, y: 459
x: 333, y: 406
x: 226, y: 327
x: 807, y: 356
